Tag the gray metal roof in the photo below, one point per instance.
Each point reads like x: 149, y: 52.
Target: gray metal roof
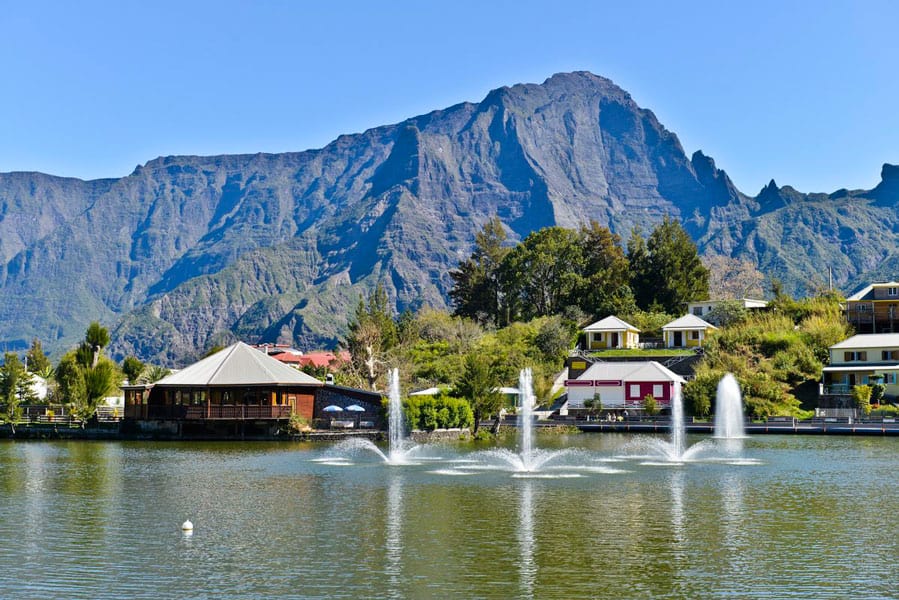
x: 689, y: 321
x: 869, y: 340
x: 611, y: 323
x: 237, y: 365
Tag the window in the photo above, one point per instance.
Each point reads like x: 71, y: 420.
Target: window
x: 892, y: 291
x: 861, y: 355
x: 694, y: 335
x: 658, y: 391
x: 889, y: 378
x: 635, y: 390
x: 889, y: 355
x: 697, y: 310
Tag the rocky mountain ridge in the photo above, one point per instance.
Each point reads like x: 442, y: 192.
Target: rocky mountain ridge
x: 188, y: 251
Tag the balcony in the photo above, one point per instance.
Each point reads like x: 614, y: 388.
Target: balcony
x: 214, y: 412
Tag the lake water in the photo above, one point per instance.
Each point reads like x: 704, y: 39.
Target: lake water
x: 803, y: 517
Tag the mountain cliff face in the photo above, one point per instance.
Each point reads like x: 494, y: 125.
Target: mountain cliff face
x: 189, y: 251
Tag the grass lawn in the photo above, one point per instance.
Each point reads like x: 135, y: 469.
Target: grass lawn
x: 641, y: 353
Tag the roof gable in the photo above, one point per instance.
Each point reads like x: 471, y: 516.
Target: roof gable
x: 238, y: 364
x: 611, y: 323
x: 689, y: 321
x: 648, y: 370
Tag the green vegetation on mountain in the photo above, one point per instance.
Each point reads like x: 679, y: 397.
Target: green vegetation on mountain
x: 584, y: 272
x: 186, y: 252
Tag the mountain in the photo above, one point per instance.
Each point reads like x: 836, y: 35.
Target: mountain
x: 187, y: 251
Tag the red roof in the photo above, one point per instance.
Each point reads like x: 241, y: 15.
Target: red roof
x: 323, y: 359
x: 318, y: 359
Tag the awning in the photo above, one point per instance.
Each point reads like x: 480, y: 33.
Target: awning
x: 861, y: 368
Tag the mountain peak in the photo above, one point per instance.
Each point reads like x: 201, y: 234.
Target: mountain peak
x: 889, y: 172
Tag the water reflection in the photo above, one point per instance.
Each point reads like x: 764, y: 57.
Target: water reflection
x: 527, y: 565
x: 676, y: 482
x: 733, y: 510
x: 394, y: 541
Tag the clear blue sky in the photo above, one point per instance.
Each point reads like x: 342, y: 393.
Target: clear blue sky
x: 803, y: 92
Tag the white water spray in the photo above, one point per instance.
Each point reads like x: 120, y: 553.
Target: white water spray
x: 729, y: 409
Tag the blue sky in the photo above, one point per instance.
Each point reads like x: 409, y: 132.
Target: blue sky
x: 802, y: 92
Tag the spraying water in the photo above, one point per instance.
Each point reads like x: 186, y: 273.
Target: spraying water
x: 729, y: 409
x: 395, y: 417
x: 678, y: 429
x: 525, y: 416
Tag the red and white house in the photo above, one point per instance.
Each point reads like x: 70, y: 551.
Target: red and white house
x: 623, y: 385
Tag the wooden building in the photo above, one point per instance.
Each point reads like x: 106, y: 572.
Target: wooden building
x: 874, y: 309
x: 237, y: 384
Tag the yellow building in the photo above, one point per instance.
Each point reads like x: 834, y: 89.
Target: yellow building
x: 611, y: 332
x: 688, y: 331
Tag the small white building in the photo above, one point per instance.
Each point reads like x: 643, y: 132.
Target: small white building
x: 611, y: 332
x: 688, y: 331
x: 624, y: 385
x: 701, y: 308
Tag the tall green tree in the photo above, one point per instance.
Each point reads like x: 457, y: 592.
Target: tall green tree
x: 479, y: 383
x: 605, y: 286
x: 476, y: 289
x: 96, y: 337
x: 372, y: 333
x: 35, y: 359
x: 667, y: 271
x: 85, y: 376
x: 541, y: 276
x: 15, y: 388
x: 133, y: 368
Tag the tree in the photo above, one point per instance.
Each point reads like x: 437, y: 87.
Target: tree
x: 554, y: 339
x: 154, y: 373
x: 479, y: 384
x: 733, y: 278
x: 133, y: 369
x: 97, y: 338
x: 666, y: 270
x: 371, y: 334
x: 15, y: 388
x: 476, y: 290
x: 35, y: 359
x: 861, y: 394
x: 542, y: 275
x: 84, y: 376
x: 594, y: 404
x: 604, y: 285
x: 650, y: 405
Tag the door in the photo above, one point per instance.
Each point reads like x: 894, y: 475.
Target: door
x: 678, y: 339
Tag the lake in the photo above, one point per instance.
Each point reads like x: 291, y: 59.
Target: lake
x: 803, y: 516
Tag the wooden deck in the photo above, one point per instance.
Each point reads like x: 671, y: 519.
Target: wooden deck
x: 214, y: 412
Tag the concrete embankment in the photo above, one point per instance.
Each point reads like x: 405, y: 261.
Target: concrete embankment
x: 798, y: 428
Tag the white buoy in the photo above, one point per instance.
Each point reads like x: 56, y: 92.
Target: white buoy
x: 187, y: 526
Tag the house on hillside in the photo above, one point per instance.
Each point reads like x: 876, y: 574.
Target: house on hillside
x: 874, y: 308
x: 688, y: 331
x: 701, y: 308
x: 623, y: 385
x: 863, y: 359
x: 611, y: 332
x: 233, y: 390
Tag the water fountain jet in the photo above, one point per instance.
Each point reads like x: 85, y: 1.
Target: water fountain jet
x: 729, y: 410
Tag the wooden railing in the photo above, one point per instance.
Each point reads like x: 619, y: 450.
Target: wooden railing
x: 201, y: 412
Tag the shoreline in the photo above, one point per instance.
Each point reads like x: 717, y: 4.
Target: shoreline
x: 112, y: 432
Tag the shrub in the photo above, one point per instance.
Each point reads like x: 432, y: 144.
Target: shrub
x: 861, y: 394
x: 650, y: 406
x: 877, y: 392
